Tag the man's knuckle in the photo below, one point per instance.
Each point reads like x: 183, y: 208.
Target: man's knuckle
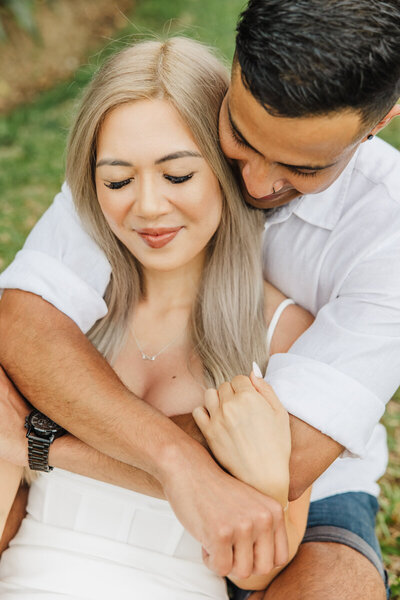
x: 243, y: 572
x: 277, y: 511
x: 264, y: 518
x: 224, y: 533
x: 223, y: 571
x: 264, y: 567
x: 245, y: 527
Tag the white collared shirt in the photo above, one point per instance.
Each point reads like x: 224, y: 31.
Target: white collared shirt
x: 337, y: 253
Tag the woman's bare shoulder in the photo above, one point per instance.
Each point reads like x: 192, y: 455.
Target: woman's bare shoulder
x: 272, y: 299
x: 292, y: 323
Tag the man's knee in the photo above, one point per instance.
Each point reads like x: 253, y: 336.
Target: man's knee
x: 327, y: 571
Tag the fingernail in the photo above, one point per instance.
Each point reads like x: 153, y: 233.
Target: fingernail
x: 257, y: 370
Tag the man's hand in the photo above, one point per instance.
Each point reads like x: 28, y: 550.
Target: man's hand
x: 13, y: 410
x: 241, y: 530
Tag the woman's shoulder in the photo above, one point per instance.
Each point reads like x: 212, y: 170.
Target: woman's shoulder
x: 291, y: 322
x: 273, y: 298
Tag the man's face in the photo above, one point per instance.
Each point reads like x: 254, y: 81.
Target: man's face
x: 291, y: 156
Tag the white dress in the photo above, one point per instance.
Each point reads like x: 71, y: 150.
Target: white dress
x: 87, y: 540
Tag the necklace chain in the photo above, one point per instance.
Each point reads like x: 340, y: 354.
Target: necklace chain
x: 154, y: 356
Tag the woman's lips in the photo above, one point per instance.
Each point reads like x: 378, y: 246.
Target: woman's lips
x: 157, y: 238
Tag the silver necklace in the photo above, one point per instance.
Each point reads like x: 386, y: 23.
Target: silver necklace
x: 147, y: 356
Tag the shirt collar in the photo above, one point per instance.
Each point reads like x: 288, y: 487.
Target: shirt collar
x: 322, y: 209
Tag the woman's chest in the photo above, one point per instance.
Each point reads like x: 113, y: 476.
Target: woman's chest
x: 172, y: 382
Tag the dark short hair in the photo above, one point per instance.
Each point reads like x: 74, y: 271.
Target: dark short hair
x: 312, y: 57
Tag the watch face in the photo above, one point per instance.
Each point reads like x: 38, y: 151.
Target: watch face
x: 43, y: 424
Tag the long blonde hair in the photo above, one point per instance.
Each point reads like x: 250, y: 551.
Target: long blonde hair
x: 227, y: 324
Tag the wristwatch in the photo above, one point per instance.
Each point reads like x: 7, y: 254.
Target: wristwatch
x: 42, y: 432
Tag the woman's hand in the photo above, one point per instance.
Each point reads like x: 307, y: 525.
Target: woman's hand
x: 13, y: 410
x: 247, y: 429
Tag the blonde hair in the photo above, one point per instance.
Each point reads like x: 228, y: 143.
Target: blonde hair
x: 227, y: 326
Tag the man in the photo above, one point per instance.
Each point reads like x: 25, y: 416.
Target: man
x: 312, y: 83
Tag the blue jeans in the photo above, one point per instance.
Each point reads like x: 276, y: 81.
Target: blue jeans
x: 347, y: 519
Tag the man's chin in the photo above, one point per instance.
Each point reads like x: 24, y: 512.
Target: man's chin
x: 272, y: 201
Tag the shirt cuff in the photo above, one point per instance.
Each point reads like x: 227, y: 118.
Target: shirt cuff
x: 45, y: 276
x: 326, y: 399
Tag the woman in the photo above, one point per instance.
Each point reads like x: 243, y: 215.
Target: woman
x: 186, y: 313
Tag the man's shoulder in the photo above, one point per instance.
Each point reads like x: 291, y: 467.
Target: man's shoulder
x: 379, y: 164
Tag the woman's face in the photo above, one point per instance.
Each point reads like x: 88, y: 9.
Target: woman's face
x: 156, y: 191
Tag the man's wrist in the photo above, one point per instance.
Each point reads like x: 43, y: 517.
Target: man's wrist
x: 185, y: 456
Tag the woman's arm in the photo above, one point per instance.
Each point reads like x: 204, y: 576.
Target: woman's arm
x: 247, y: 429
x: 15, y: 516
x: 10, y: 479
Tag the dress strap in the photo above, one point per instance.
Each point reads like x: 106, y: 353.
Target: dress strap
x: 275, y: 319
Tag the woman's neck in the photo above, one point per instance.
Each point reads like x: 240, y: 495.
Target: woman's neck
x: 170, y: 290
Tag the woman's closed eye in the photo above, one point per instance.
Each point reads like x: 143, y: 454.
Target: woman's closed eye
x: 181, y: 179
x: 117, y: 185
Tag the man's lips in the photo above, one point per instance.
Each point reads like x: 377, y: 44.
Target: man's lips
x: 271, y: 196
x: 157, y: 238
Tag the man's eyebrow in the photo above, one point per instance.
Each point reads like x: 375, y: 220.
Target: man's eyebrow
x: 238, y: 133
x: 116, y: 162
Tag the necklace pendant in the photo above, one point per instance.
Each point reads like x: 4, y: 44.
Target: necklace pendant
x: 147, y: 357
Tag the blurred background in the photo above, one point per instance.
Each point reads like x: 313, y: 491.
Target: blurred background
x: 48, y: 52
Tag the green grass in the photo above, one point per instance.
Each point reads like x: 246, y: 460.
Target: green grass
x: 32, y: 141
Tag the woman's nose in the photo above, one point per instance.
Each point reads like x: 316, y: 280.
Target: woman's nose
x: 149, y: 200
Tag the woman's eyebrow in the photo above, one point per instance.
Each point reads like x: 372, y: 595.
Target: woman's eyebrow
x: 116, y: 162
x: 180, y: 154
x: 113, y: 162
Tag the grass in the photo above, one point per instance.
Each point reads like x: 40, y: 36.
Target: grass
x: 32, y: 141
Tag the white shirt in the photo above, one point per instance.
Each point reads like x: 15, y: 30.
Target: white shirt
x: 337, y: 253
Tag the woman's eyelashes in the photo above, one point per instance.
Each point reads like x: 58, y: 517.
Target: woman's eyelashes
x: 180, y: 179
x: 117, y: 185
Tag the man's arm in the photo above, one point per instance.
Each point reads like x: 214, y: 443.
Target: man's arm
x: 71, y: 454
x: 312, y: 453
x: 50, y: 360
x: 42, y: 352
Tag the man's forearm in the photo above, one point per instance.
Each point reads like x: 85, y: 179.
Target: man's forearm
x: 71, y: 454
x: 312, y: 453
x: 52, y: 362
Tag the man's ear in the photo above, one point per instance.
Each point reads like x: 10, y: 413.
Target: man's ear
x: 394, y: 112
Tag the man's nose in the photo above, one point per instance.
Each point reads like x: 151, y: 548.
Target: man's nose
x: 259, y: 178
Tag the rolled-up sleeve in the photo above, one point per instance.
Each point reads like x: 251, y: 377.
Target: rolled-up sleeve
x: 61, y: 263
x: 340, y: 373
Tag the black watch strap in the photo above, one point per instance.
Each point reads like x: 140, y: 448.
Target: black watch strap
x: 38, y: 453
